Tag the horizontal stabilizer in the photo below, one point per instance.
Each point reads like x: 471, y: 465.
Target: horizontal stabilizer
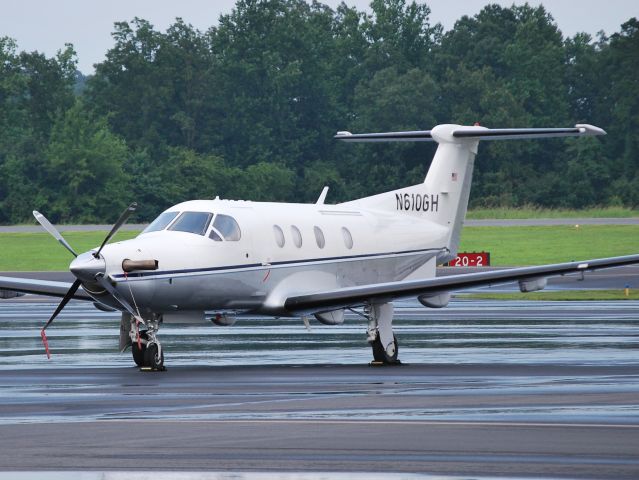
x: 415, y: 136
x: 479, y: 133
x: 471, y: 133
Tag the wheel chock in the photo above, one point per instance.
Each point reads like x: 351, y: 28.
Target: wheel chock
x: 149, y: 369
x: 382, y: 364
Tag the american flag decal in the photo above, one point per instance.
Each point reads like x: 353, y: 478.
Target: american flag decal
x: 454, y: 176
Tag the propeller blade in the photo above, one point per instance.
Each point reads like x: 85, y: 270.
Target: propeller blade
x: 42, y: 220
x: 123, y: 218
x: 68, y: 296
x: 104, y: 283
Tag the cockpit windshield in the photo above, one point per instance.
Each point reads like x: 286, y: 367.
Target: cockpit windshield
x: 161, y: 222
x: 192, y: 222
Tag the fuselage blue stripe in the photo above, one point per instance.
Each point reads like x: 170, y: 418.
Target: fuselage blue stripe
x: 272, y: 264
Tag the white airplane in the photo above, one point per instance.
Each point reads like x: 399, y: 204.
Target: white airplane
x: 287, y: 259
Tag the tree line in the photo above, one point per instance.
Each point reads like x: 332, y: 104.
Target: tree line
x: 248, y: 109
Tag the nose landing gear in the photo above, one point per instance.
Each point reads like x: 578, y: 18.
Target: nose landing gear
x: 138, y: 350
x: 153, y: 354
x: 147, y: 351
x: 154, y: 357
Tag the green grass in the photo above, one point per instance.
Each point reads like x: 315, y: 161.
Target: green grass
x: 507, y: 245
x: 536, y: 212
x: 40, y: 251
x: 518, y: 246
x: 559, y: 295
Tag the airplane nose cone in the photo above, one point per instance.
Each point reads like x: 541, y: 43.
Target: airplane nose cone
x: 86, y: 266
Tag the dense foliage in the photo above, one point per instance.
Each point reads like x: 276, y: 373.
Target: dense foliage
x: 248, y: 109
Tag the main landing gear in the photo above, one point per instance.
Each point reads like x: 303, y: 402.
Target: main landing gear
x: 146, y: 350
x: 380, y: 334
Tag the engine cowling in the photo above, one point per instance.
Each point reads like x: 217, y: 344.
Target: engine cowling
x: 334, y: 317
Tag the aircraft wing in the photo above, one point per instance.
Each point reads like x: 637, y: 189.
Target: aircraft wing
x: 40, y: 287
x: 384, y: 292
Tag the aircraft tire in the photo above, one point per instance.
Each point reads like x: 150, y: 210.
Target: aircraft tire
x: 138, y: 353
x: 379, y: 352
x: 152, y: 359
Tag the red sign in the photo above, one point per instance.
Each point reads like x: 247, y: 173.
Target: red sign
x: 468, y: 259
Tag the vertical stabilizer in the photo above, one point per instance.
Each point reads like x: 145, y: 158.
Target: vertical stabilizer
x: 443, y: 197
x: 450, y: 175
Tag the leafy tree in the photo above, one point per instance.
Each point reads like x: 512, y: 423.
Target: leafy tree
x: 618, y: 106
x: 265, y: 182
x: 12, y: 87
x: 84, y: 170
x: 48, y: 87
x: 586, y: 174
x: 34, y: 91
x: 273, y: 62
x: 400, y: 34
x: 248, y: 109
x: 189, y: 175
x: 535, y: 61
x: 154, y: 86
x: 316, y: 177
x: 582, y: 76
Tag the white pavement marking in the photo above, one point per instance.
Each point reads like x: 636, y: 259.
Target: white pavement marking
x: 173, y: 475
x: 426, y: 423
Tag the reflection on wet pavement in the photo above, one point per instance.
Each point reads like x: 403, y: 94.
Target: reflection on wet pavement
x: 467, y: 332
x: 526, y: 389
x: 581, y: 355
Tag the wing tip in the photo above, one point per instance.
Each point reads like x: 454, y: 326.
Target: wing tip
x: 587, y: 129
x: 342, y: 134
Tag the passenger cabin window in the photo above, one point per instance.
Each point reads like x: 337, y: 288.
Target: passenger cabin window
x: 297, y: 236
x: 319, y: 237
x: 348, y: 238
x: 161, y: 222
x: 192, y: 222
x: 227, y: 227
x: 279, y: 236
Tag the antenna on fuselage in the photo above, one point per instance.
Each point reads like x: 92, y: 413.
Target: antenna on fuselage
x: 322, y: 197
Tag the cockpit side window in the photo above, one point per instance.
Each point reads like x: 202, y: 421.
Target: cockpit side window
x: 192, y: 222
x: 161, y: 222
x: 215, y: 235
x: 227, y: 227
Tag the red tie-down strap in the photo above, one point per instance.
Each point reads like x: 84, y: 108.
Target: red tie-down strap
x: 45, y: 342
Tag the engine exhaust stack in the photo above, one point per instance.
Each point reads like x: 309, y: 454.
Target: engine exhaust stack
x: 136, y: 265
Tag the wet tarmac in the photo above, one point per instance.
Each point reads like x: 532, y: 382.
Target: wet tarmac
x: 536, y: 389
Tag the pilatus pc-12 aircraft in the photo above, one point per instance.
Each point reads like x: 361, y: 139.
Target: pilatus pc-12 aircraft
x: 220, y: 259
